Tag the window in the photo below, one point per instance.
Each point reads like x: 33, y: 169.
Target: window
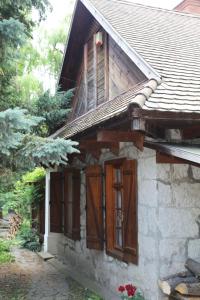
x: 121, y: 209
x: 72, y: 203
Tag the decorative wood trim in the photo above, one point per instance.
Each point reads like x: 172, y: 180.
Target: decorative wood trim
x: 95, y: 68
x: 85, y: 75
x: 162, y: 158
x: 166, y: 116
x: 122, y: 136
x: 191, y: 132
x: 106, y: 66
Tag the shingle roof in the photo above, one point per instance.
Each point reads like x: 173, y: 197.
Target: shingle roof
x: 169, y: 41
x: 102, y: 113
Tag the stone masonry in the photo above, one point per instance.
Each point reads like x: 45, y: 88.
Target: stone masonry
x: 168, y: 228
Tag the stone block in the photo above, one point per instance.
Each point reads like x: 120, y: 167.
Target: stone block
x: 147, y: 247
x: 194, y: 249
x: 147, y: 168
x: 179, y: 172
x: 147, y: 220
x: 146, y: 153
x: 196, y: 172
x: 172, y: 250
x: 164, y: 195
x: 164, y: 172
x: 178, y: 223
x: 186, y: 195
x: 147, y: 192
x: 167, y: 268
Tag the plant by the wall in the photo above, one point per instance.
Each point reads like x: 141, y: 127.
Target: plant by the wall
x: 130, y: 292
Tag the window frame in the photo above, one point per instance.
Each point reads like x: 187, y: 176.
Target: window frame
x: 121, y: 253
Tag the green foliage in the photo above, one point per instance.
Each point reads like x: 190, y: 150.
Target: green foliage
x: 15, y: 27
x: 26, y: 192
x: 21, y: 10
x: 14, y: 123
x: 48, y: 152
x: 5, y: 256
x: 30, y: 239
x: 54, y: 109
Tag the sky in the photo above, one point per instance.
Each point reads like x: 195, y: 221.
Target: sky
x: 60, y: 7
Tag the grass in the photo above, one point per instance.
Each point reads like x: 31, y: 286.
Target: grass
x: 5, y: 255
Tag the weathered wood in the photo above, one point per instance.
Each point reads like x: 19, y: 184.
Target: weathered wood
x: 191, y: 132
x: 177, y: 296
x: 123, y: 73
x: 193, y: 266
x: 162, y: 158
x: 121, y: 136
x: 168, y: 284
x: 192, y: 289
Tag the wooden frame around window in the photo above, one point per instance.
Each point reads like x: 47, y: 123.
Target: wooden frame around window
x: 126, y: 247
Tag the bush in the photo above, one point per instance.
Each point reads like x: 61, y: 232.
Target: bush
x: 5, y: 255
x: 29, y: 239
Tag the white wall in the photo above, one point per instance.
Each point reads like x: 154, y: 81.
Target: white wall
x: 168, y: 206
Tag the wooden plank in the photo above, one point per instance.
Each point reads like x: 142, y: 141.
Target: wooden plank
x: 94, y: 207
x: 95, y: 68
x: 85, y: 76
x: 121, y: 136
x: 106, y: 66
x: 162, y: 158
x: 191, y: 132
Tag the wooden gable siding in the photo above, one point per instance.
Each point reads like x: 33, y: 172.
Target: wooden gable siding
x: 105, y: 73
x: 123, y: 73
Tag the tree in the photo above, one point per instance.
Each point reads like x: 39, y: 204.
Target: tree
x: 20, y: 148
x: 15, y: 27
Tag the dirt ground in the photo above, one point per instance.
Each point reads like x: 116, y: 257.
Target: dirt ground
x: 29, y: 277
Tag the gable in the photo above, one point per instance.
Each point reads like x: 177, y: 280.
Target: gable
x: 105, y: 72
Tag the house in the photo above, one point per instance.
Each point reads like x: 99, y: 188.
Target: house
x: 127, y: 208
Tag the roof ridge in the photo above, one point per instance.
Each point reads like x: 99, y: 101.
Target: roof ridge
x: 129, y: 2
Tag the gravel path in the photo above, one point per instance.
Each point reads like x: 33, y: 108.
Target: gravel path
x: 30, y: 278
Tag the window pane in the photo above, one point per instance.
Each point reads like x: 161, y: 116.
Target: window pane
x: 117, y: 176
x: 119, y: 237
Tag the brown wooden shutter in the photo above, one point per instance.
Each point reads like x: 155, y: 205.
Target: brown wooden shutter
x: 94, y: 209
x: 74, y: 231
x: 56, y: 194
x: 76, y: 182
x: 65, y: 198
x: 109, y: 209
x: 130, y: 210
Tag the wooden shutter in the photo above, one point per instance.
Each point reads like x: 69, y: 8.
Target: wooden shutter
x: 110, y: 207
x: 56, y: 194
x: 129, y: 168
x: 74, y: 193
x: 76, y: 182
x: 94, y: 209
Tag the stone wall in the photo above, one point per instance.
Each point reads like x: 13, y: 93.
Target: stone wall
x: 178, y: 216
x: 105, y: 270
x: 168, y: 206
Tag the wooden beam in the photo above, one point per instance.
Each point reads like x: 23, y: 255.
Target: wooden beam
x: 122, y: 136
x: 191, y: 132
x: 93, y: 146
x: 162, y: 158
